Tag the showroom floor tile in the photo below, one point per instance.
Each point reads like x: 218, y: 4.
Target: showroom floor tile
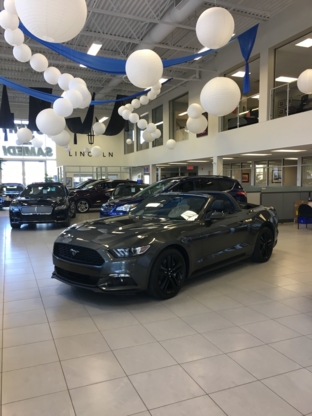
x: 236, y: 343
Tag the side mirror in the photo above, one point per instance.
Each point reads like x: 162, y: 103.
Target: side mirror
x: 215, y: 216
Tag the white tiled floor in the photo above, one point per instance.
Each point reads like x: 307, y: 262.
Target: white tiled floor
x: 236, y: 343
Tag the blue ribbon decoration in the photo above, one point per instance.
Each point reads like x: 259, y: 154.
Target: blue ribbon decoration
x: 246, y: 42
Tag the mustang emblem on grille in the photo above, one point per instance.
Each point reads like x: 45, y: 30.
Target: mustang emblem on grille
x: 74, y: 252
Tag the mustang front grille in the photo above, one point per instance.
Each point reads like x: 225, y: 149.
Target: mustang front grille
x: 77, y: 254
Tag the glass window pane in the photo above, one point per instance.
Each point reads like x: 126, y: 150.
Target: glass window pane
x: 141, y: 143
x: 129, y: 134
x: 157, y: 118
x: 178, y: 118
x: 261, y: 173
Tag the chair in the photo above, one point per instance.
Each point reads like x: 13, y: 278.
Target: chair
x: 304, y: 211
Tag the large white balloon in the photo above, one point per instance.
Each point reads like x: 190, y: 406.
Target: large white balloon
x: 8, y: 20
x: 9, y: 5
x: 151, y: 127
x: 144, y: 68
x: 99, y: 128
x: 63, y: 107
x: 151, y: 95
x: 50, y: 123
x: 134, y: 118
x: 121, y: 109
x: 136, y: 103
x: 62, y: 139
x: 96, y: 151
x: 126, y: 114
x: 156, y: 86
x: 144, y: 100
x: 54, y: 21
x: 51, y: 75
x: 142, y: 124
x: 86, y: 101
x: 24, y: 135
x: 75, y: 83
x: 22, y: 53
x: 129, y: 107
x: 64, y: 81
x: 74, y: 97
x: 14, y: 37
x: 156, y: 134
x: 195, y: 110
x: 196, y: 125
x: 39, y: 62
x: 220, y: 96
x: 171, y: 144
x: 304, y: 81
x: 215, y: 27
x: 147, y: 136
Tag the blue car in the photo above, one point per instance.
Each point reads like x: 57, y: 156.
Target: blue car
x: 183, y: 184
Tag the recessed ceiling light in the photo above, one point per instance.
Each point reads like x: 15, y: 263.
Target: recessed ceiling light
x: 161, y: 166
x: 197, y: 161
x: 94, y: 48
x: 288, y: 151
x: 144, y: 114
x: 159, y: 123
x: 228, y: 158
x: 103, y: 119
x: 177, y: 163
x: 307, y: 43
x: 256, y: 96
x: 256, y: 154
x: 291, y: 158
x: 182, y: 114
x: 162, y: 80
x: 285, y: 79
x: 239, y: 74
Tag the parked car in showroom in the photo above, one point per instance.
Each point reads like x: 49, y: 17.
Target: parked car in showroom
x: 176, y: 184
x: 127, y: 189
x: 94, y: 194
x: 9, y: 191
x: 165, y: 240
x: 82, y: 184
x: 42, y: 202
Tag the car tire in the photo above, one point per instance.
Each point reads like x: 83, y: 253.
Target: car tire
x: 82, y: 206
x: 15, y: 225
x: 264, y: 246
x: 167, y: 275
x: 72, y: 209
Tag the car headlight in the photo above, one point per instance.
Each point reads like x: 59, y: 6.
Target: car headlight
x: 14, y: 209
x: 65, y: 206
x: 126, y: 208
x: 130, y: 252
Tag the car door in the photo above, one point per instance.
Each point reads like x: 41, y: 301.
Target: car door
x: 99, y: 194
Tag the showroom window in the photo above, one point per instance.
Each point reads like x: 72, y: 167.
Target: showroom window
x: 141, y: 143
x: 239, y: 171
x: 157, y: 119
x: 247, y: 112
x: 306, y: 171
x: 291, y: 60
x: 129, y: 134
x: 178, y: 118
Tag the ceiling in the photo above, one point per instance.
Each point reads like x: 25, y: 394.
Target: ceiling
x: 123, y: 26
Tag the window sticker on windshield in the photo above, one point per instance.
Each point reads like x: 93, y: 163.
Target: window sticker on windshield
x: 189, y: 215
x: 132, y: 189
x: 152, y: 205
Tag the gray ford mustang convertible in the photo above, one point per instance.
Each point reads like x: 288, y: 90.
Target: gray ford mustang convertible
x: 165, y: 240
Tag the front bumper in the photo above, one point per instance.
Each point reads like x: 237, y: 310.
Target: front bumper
x: 55, y: 218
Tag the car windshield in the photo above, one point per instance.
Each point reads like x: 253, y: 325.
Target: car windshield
x: 157, y: 187
x: 43, y: 191
x: 125, y: 190
x: 83, y: 184
x: 11, y: 187
x: 171, y: 206
x: 91, y: 185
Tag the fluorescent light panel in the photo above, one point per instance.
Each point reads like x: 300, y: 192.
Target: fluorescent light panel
x: 144, y: 114
x: 103, y: 119
x: 159, y: 123
x: 228, y: 158
x: 182, y: 114
x: 94, y: 48
x: 239, y: 74
x: 197, y: 161
x: 177, y: 163
x: 162, y: 80
x: 200, y: 51
x: 307, y: 43
x: 257, y: 96
x: 285, y: 79
x: 256, y: 154
x: 288, y: 151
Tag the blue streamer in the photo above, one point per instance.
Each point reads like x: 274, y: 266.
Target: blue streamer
x: 246, y: 42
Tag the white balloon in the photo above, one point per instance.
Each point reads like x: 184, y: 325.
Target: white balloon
x: 67, y: 148
x: 51, y: 75
x: 96, y: 151
x: 147, y: 136
x: 14, y: 37
x: 74, y: 97
x: 136, y: 103
x: 215, y: 27
x: 121, y: 109
x: 171, y: 144
x: 134, y: 118
x: 64, y: 81
x: 195, y: 110
x: 9, y: 5
x: 220, y: 96
x: 24, y: 135
x: 156, y: 134
x: 196, y: 125
x: 126, y: 114
x: 151, y: 95
x: 142, y: 124
x: 157, y: 86
x: 37, y: 142
x: 99, y: 128
x: 62, y: 139
x: 86, y: 150
x: 50, y: 123
x: 157, y: 92
x: 144, y: 68
x: 8, y: 20
x: 129, y: 107
x: 22, y: 53
x: 86, y: 101
x: 75, y: 82
x: 151, y: 127
x: 39, y: 62
x: 63, y: 107
x: 304, y: 81
x: 129, y: 141
x: 53, y: 21
x: 144, y: 100
x: 18, y: 142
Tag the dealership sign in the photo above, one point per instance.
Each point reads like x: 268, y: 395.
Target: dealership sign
x: 28, y: 151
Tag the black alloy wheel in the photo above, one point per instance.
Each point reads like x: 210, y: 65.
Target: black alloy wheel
x: 82, y: 206
x: 167, y: 275
x: 72, y: 209
x: 264, y: 246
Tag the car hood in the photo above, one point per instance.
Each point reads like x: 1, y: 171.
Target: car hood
x: 126, y: 200
x: 125, y: 231
x: 27, y: 202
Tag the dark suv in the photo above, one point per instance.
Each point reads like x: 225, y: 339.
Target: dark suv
x: 8, y: 192
x: 177, y: 184
x: 95, y: 193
